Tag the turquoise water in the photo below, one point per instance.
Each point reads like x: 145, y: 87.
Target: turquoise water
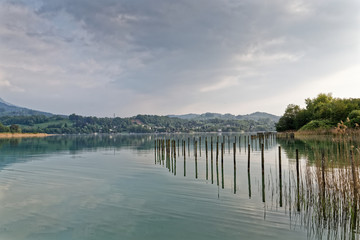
x: 116, y: 187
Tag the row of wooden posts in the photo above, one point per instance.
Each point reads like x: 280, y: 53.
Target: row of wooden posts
x: 167, y: 147
x: 263, y: 138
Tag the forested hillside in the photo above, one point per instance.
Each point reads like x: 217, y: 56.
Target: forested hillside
x: 138, y: 124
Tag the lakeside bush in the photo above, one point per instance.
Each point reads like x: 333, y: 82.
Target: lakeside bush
x: 317, y: 124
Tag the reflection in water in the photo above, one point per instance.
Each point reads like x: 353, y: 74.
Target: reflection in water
x: 317, y: 187
x: 310, y: 197
x: 249, y: 183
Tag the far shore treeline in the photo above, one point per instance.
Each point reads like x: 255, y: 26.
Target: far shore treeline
x: 75, y: 124
x: 321, y: 113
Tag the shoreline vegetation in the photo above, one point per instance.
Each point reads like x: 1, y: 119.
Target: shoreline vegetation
x: 323, y: 114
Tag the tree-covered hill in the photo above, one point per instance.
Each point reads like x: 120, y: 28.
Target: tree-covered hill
x: 8, y: 109
x: 228, y: 116
x: 15, y: 119
x: 139, y: 124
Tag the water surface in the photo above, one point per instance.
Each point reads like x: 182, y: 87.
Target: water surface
x: 119, y: 187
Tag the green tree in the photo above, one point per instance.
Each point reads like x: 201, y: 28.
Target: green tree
x: 354, y: 118
x: 288, y: 120
x: 4, y: 128
x: 15, y: 128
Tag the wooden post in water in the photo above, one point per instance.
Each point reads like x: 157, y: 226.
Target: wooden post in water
x: 196, y: 170
x: 249, y: 183
x: 171, y: 153
x: 248, y: 157
x: 262, y: 172
x: 184, y: 159
x: 200, y: 145
x: 217, y: 151
x: 155, y: 150
x: 217, y: 166
x: 235, y: 167
x: 212, y: 177
x: 280, y: 176
x: 222, y: 165
x: 174, y: 157
x: 298, y: 180
x: 206, y: 155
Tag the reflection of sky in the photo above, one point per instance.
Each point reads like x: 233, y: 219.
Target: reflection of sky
x: 121, y: 194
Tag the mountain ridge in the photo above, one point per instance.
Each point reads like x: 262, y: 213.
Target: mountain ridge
x: 208, y: 115
x: 8, y: 109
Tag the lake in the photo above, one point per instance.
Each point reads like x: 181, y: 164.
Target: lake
x: 132, y: 187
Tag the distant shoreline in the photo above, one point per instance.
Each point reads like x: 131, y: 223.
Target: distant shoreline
x: 23, y: 135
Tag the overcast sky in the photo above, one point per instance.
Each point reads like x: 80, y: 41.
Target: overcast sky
x: 129, y: 57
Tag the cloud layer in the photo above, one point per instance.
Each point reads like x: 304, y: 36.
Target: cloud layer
x: 162, y: 57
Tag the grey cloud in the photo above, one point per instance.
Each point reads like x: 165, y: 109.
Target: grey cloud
x: 159, y: 49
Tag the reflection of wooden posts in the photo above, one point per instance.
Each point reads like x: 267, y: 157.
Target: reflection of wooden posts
x: 248, y: 157
x: 262, y: 172
x: 355, y: 199
x: 235, y: 167
x: 298, y: 180
x: 249, y: 183
x: 206, y: 154
x: 217, y: 151
x: 174, y: 148
x: 189, y: 147
x: 280, y: 176
x: 222, y: 165
x: 200, y: 145
x: 178, y: 147
x: 245, y: 143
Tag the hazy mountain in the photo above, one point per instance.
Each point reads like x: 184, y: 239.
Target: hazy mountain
x: 227, y: 116
x: 8, y: 109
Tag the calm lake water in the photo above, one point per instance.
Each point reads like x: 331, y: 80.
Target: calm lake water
x: 119, y: 187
